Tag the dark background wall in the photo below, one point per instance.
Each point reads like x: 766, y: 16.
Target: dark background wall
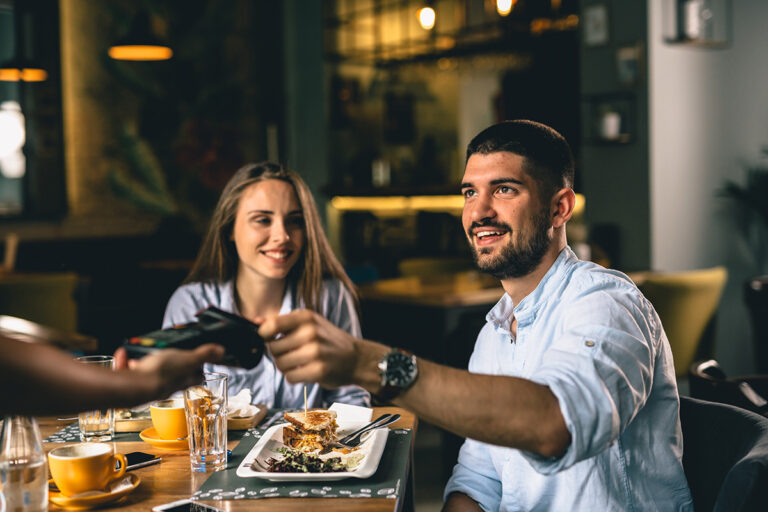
x: 615, y: 176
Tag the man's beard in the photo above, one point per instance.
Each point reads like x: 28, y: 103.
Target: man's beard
x: 515, y: 261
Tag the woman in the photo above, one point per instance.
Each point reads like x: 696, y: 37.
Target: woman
x: 265, y: 253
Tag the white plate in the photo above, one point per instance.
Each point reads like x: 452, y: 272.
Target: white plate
x: 272, y: 439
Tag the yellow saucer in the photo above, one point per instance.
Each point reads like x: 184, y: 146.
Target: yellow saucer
x: 150, y: 436
x: 96, y: 498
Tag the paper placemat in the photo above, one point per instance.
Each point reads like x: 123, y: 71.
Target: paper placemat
x: 71, y: 434
x: 389, y: 481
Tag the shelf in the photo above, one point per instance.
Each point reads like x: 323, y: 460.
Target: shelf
x: 622, y: 139
x: 395, y: 190
x: 698, y: 43
x: 609, y: 119
x: 386, y: 33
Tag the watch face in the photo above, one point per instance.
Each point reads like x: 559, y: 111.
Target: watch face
x: 400, y: 369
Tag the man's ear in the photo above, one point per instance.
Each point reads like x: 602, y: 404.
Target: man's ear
x: 562, y: 206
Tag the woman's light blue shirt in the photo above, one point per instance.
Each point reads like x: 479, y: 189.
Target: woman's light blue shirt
x: 590, y: 336
x: 266, y: 383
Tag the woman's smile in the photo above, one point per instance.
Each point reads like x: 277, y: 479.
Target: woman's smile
x: 269, y: 229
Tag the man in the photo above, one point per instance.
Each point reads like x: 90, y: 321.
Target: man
x: 39, y: 379
x: 570, y: 402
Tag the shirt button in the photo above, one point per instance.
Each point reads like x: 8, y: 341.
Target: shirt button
x: 589, y: 343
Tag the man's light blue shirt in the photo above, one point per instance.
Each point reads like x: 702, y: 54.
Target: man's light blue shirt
x: 590, y: 336
x: 267, y: 384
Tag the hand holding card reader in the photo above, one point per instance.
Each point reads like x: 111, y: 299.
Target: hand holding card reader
x: 244, y: 347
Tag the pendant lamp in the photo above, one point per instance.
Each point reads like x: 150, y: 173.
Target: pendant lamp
x: 140, y: 43
x: 20, y: 68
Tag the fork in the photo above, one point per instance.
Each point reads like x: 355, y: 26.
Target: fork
x: 353, y: 440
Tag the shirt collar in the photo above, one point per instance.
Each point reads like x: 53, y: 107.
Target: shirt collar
x: 502, y: 314
x: 286, y: 307
x: 288, y: 304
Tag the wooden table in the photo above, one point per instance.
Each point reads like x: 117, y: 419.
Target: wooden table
x: 173, y: 479
x: 468, y: 288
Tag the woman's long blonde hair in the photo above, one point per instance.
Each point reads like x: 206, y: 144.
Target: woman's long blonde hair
x: 218, y: 260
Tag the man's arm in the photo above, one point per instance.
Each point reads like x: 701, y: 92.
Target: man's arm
x: 46, y: 380
x: 474, y: 480
x: 500, y: 410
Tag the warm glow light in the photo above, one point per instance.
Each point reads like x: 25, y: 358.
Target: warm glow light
x: 140, y: 52
x: 404, y: 203
x: 578, y: 207
x: 12, y: 133
x: 541, y: 25
x: 33, y: 75
x: 398, y: 203
x: 427, y: 18
x: 10, y: 75
x: 12, y: 138
x: 23, y: 75
x: 504, y: 7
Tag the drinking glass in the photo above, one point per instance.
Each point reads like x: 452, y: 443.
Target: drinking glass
x: 23, y: 472
x: 99, y: 424
x: 206, y: 410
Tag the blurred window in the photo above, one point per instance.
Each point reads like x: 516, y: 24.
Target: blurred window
x: 31, y: 142
x: 12, y: 130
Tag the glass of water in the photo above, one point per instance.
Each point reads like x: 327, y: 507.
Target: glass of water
x: 99, y: 424
x: 206, y: 410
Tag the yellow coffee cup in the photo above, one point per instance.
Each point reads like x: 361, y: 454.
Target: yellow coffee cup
x: 169, y: 419
x: 84, y: 467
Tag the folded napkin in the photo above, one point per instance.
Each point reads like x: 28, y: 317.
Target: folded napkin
x: 351, y: 417
x: 239, y: 405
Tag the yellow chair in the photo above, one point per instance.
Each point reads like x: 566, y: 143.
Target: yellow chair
x: 44, y: 298
x: 686, y: 303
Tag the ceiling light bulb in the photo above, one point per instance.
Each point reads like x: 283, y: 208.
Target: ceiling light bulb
x: 12, y: 132
x: 504, y: 7
x: 427, y: 18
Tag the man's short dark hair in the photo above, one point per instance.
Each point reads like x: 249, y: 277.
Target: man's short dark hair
x: 548, y: 157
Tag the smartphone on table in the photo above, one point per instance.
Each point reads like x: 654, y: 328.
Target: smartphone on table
x: 186, y: 506
x: 139, y: 460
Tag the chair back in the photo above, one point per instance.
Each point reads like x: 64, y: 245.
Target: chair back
x: 686, y: 303
x: 44, y: 298
x: 709, y: 382
x: 725, y: 456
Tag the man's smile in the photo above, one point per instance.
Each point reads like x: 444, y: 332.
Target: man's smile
x: 488, y: 235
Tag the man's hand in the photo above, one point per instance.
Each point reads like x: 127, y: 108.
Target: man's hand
x: 312, y: 348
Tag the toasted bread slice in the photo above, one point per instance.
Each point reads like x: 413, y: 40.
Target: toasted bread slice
x: 311, y: 431
x: 314, y: 419
x: 303, y: 441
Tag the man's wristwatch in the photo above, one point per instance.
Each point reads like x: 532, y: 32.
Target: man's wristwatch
x: 398, y: 371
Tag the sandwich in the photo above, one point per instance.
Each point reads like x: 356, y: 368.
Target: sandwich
x: 310, y: 431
